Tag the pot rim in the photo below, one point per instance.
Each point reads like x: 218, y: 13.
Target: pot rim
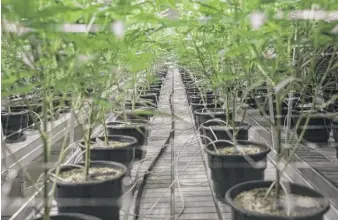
x: 22, y: 112
x: 259, y: 183
x: 80, y: 216
x: 120, y: 166
x: 206, y: 111
x: 139, y: 101
x: 25, y: 105
x: 132, y: 143
x: 138, y: 110
x: 192, y: 93
x: 206, y: 104
x: 139, y: 123
x: 148, y: 89
x: 204, y: 95
x: 243, y: 125
x: 148, y: 94
x: 262, y: 153
x: 316, y: 113
x: 193, y: 88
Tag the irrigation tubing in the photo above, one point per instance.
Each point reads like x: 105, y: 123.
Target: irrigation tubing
x: 154, y: 162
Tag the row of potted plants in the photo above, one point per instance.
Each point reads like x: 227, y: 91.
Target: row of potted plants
x: 110, y: 158
x: 237, y: 165
x: 48, y: 72
x: 21, y: 113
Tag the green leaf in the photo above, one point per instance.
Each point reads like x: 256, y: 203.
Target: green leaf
x: 12, y: 78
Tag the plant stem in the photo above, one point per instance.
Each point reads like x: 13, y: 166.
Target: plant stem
x: 105, y: 130
x: 87, y: 139
x: 45, y: 157
x: 227, y: 109
x: 278, y: 147
x: 233, y: 120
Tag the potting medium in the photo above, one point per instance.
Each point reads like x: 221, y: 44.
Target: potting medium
x: 76, y: 175
x: 255, y: 200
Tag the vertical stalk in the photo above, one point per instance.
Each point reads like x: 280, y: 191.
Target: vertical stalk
x: 134, y: 92
x: 227, y: 109
x: 272, y: 117
x: 233, y: 119
x: 105, y: 130
x: 288, y: 122
x: 87, y: 139
x: 278, y: 147
x: 45, y: 157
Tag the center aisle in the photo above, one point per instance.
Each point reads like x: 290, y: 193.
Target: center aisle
x: 182, y: 165
x: 193, y: 181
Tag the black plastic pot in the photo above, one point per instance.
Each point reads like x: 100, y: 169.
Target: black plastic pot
x: 229, y: 170
x: 186, y: 78
x: 196, y: 106
x: 327, y: 95
x: 335, y: 129
x: 203, y: 115
x: 31, y: 112
x: 261, y: 89
x: 306, y: 98
x: 162, y: 73
x: 188, y: 81
x: 238, y: 213
x: 198, y: 98
x: 13, y: 124
x: 150, y: 90
x: 181, y: 70
x: 140, y: 113
x: 185, y: 75
x: 101, y: 199
x: 250, y: 101
x: 141, y: 103
x: 138, y: 129
x: 329, y: 92
x: 222, y: 132
x: 157, y: 80
x: 156, y: 86
x: 317, y: 130
x: 335, y: 134
x: 70, y: 216
x: 36, y: 105
x: 156, y: 91
x: 284, y: 110
x: 191, y: 91
x: 190, y: 94
x: 255, y: 100
x: 124, y: 155
x: 333, y: 107
x: 37, y: 108
x: 150, y: 96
